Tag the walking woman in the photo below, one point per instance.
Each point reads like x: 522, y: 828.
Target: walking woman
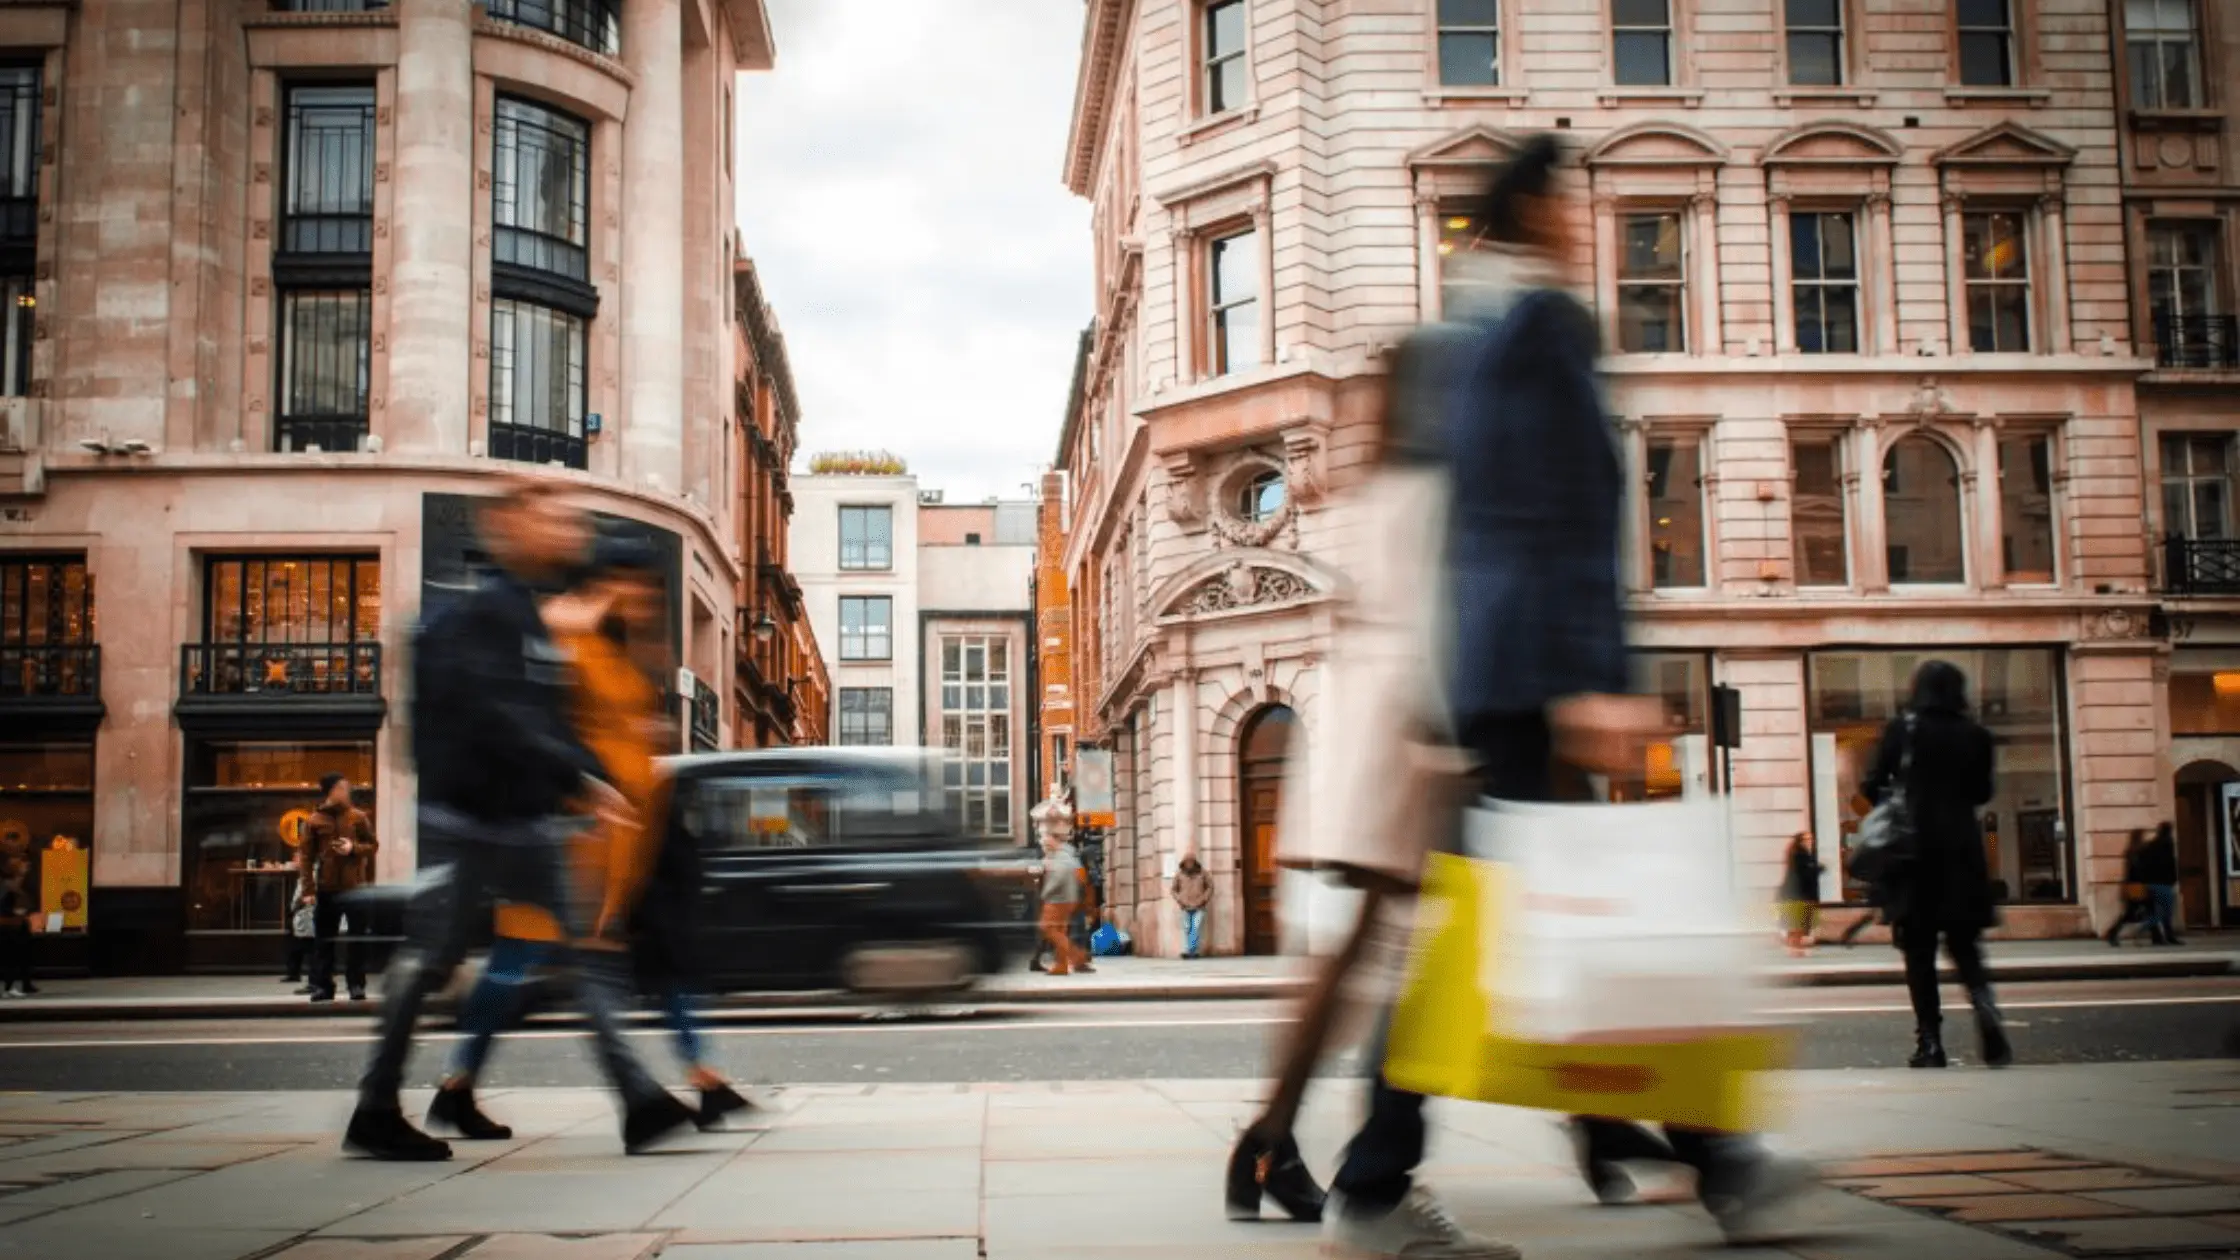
x: 1800, y: 894
x: 1945, y: 761
x: 2134, y: 887
x: 2158, y: 870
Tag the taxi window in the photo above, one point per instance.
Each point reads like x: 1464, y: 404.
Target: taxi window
x: 754, y: 813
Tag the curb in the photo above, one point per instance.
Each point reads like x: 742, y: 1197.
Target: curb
x: 67, y: 1010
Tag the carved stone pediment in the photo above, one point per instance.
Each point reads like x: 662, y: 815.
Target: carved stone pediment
x: 1244, y: 586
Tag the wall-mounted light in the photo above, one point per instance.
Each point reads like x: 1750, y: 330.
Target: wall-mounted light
x: 764, y: 628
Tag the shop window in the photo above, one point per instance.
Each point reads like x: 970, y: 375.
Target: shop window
x: 307, y: 624
x: 2016, y: 693
x: 2205, y: 703
x: 1679, y: 764
x: 47, y: 639
x: 244, y: 805
x: 1921, y: 518
x: 46, y: 794
x: 1676, y: 550
x: 1819, y: 528
x: 2026, y: 541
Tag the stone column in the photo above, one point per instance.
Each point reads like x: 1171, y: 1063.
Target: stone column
x: 431, y: 242
x: 1182, y: 714
x: 1778, y: 253
x: 653, y: 246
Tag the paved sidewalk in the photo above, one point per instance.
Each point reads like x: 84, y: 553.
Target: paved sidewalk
x: 1124, y: 979
x: 2028, y: 1164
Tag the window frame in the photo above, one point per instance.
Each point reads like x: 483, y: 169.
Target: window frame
x: 1844, y: 42
x: 301, y: 232
x: 1840, y: 445
x: 1964, y: 507
x: 2211, y: 345
x: 2196, y: 36
x: 301, y: 428
x: 1672, y: 35
x: 866, y: 512
x: 1441, y: 28
x: 866, y: 711
x: 1700, y: 438
x: 2026, y: 222
x: 1214, y: 330
x: 1797, y: 283
x: 983, y: 703
x: 1683, y: 227
x: 2227, y: 477
x: 521, y: 252
x: 2016, y: 37
x: 866, y: 633
x: 1206, y: 62
x: 2050, y: 437
x: 536, y: 442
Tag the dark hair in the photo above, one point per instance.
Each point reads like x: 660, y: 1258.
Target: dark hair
x: 1939, y: 687
x: 2164, y: 831
x: 327, y: 782
x: 1529, y: 173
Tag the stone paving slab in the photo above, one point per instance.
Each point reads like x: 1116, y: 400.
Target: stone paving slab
x: 938, y: 1249
x: 547, y: 1247
x: 373, y: 1248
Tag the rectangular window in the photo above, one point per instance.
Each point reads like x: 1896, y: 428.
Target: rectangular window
x: 541, y: 190
x: 867, y: 538
x: 241, y: 799
x: 1652, y: 284
x: 2197, y: 485
x: 2026, y: 508
x: 1679, y: 764
x: 1824, y: 282
x: 1815, y: 39
x: 1233, y: 302
x: 1819, y: 526
x: 2165, y: 54
x: 1996, y: 261
x: 1986, y: 30
x: 47, y: 628
x: 866, y: 716
x: 1676, y: 550
x: 976, y: 730
x: 592, y: 24
x: 2016, y: 692
x: 2184, y: 269
x: 1470, y: 43
x: 326, y: 368
x: 1641, y: 42
x: 866, y: 628
x: 1227, y: 68
x: 327, y: 196
x: 2205, y: 703
x: 283, y: 625
x: 19, y: 224
x: 536, y: 384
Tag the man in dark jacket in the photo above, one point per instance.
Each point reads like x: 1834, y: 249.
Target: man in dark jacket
x: 2158, y: 870
x: 334, y: 858
x: 502, y: 771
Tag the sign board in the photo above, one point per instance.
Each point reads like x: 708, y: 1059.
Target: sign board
x: 2231, y: 830
x: 64, y: 880
x: 1092, y: 786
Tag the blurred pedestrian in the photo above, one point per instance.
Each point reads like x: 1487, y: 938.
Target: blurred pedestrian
x: 302, y: 926
x: 1065, y: 887
x: 1943, y: 888
x: 334, y: 859
x: 502, y: 774
x: 2135, y: 905
x: 1800, y: 893
x: 2158, y: 870
x: 1193, y: 892
x: 16, y: 908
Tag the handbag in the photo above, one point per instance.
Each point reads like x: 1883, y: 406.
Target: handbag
x: 305, y: 924
x: 1888, y: 841
x: 2134, y: 892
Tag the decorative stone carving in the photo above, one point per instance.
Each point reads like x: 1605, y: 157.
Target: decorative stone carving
x: 1302, y: 466
x: 260, y: 229
x: 262, y: 116
x: 2114, y: 623
x: 1186, y: 492
x: 261, y: 173
x: 381, y: 229
x: 380, y: 172
x: 259, y: 286
x: 1244, y: 586
x: 1930, y: 403
x: 1232, y: 527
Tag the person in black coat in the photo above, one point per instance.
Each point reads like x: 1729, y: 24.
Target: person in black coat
x: 1945, y: 889
x: 664, y: 932
x: 2158, y: 870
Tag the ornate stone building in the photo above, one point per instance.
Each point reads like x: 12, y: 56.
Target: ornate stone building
x: 288, y: 285
x: 1861, y: 270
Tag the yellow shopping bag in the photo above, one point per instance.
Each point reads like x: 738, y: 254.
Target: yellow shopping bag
x: 1446, y: 1038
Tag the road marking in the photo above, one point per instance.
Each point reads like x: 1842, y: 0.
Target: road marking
x: 2063, y: 1004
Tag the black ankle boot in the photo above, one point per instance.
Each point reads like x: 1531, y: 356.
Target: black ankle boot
x: 455, y: 1109
x: 1928, y: 1049
x: 652, y: 1119
x: 1258, y: 1169
x: 716, y: 1103
x: 1991, y: 1029
x: 382, y: 1132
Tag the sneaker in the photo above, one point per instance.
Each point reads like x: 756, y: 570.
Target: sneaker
x: 1418, y: 1229
x: 10, y: 991
x: 455, y: 1109
x: 650, y: 1122
x: 1769, y: 1182
x: 378, y: 1132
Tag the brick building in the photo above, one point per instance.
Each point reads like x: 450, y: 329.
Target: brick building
x: 1053, y: 617
x: 1861, y: 269
x: 288, y: 284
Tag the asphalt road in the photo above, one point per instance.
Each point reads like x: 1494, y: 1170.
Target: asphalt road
x: 2095, y: 1022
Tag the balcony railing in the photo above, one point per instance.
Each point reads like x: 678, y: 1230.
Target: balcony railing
x: 707, y: 717
x: 326, y: 233
x: 280, y: 670
x: 2201, y: 566
x: 532, y: 445
x: 328, y: 433
x: 330, y: 6
x: 50, y: 671
x: 591, y: 24
x: 2205, y: 342
x: 526, y: 247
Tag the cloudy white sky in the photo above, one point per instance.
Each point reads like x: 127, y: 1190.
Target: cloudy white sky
x: 899, y: 191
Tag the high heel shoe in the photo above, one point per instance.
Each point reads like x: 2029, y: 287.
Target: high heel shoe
x: 1258, y: 1170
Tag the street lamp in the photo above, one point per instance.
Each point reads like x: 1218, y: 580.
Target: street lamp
x: 764, y: 628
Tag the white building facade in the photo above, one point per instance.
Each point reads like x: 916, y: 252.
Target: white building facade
x: 855, y: 553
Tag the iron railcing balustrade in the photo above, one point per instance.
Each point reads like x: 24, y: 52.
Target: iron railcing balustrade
x: 2201, y: 566
x: 49, y: 671
x: 280, y: 669
x: 326, y: 433
x: 2202, y: 342
x: 531, y: 445
x: 592, y: 24
x: 707, y: 717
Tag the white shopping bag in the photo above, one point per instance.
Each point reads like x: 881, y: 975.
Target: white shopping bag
x: 1620, y: 923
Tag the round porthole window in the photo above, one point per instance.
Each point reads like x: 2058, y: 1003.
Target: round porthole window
x: 1260, y: 497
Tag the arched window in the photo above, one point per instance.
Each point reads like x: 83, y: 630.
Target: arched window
x: 1921, y: 513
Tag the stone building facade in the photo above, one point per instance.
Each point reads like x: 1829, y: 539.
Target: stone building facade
x: 1861, y: 270
x: 289, y: 284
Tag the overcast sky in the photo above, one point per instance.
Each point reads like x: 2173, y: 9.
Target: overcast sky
x: 899, y: 191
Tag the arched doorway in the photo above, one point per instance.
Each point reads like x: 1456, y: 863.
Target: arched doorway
x: 1260, y: 753
x: 2201, y: 838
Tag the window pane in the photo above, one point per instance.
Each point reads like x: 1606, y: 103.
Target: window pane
x: 1652, y: 247
x: 1840, y: 320
x: 1819, y: 548
x: 1236, y: 269
x: 1227, y: 90
x: 1469, y: 12
x: 1237, y: 339
x: 1815, y: 59
x: 1640, y: 12
x: 1676, y: 514
x: 2026, y: 509
x: 1642, y: 59
x: 1469, y: 59
x: 1839, y: 258
x: 1983, y: 60
x: 1983, y: 12
x: 2211, y: 517
x: 1994, y: 247
x: 2178, y: 90
x: 325, y: 354
x: 1650, y: 320
x: 1224, y: 28
x: 1921, y: 513
x: 1814, y: 12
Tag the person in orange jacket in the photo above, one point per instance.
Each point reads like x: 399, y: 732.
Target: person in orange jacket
x: 607, y: 625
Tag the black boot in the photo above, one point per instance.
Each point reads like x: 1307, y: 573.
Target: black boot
x: 1258, y: 1169
x: 2114, y: 934
x: 1991, y: 1029
x: 716, y: 1103
x: 1602, y: 1145
x: 455, y: 1109
x: 1928, y: 1048
x: 379, y: 1132
x: 652, y: 1119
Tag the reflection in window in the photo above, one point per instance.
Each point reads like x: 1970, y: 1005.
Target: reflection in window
x: 2197, y: 485
x: 1824, y: 279
x: 1227, y: 69
x: 1676, y: 552
x: 2016, y: 693
x: 1260, y: 497
x: 2205, y: 703
x: 2185, y: 268
x: 1818, y: 527
x: 1921, y: 513
x: 2026, y: 508
x: 541, y: 189
x: 537, y: 382
x: 866, y: 716
x: 1469, y: 43
x: 1815, y: 30
x: 326, y: 368
x: 866, y: 628
x: 1680, y: 763
x: 1641, y: 42
x: 1652, y: 284
x: 1997, y: 263
x: 1986, y: 43
x: 2165, y: 54
x: 1233, y: 302
x: 243, y: 804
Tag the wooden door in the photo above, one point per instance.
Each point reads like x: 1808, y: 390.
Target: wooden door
x: 2199, y: 810
x: 1260, y: 754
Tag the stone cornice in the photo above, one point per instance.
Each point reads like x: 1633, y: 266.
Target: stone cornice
x: 608, y: 66
x: 1102, y: 23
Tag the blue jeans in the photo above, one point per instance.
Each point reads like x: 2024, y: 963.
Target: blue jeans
x: 1193, y: 932
x: 2162, y: 911
x: 495, y: 1003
